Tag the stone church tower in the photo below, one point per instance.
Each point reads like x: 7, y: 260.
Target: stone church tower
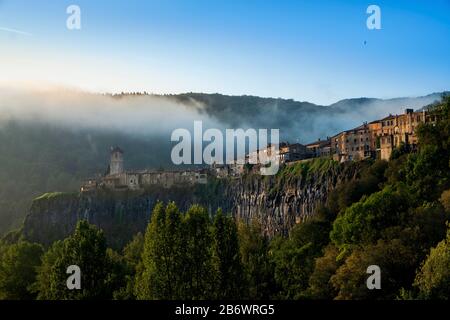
x: 116, y: 164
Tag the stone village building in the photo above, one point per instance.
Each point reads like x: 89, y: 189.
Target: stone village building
x: 319, y: 148
x: 354, y: 144
x: 119, y: 179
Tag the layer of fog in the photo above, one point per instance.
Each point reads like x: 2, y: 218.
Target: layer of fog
x: 72, y: 109
x: 149, y: 116
x: 306, y: 123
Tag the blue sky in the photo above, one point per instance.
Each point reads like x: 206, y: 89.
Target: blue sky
x: 319, y: 51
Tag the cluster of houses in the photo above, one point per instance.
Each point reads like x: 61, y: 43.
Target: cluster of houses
x: 376, y: 139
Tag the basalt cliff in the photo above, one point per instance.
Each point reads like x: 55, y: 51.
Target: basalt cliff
x: 277, y: 202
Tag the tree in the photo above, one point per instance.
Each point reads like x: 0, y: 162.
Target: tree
x: 369, y: 180
x: 445, y: 200
x: 396, y: 261
x: 320, y: 286
x: 43, y: 284
x: 294, y: 257
x: 255, y: 255
x: 429, y: 224
x: 18, y: 264
x: 428, y: 171
x: 162, y: 258
x: 433, y: 278
x: 133, y: 250
x: 86, y: 248
x: 227, y: 258
x: 199, y: 278
x: 132, y: 259
x: 118, y: 275
x: 177, y: 259
x: 363, y: 222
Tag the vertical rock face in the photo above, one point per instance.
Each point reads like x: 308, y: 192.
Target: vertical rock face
x: 277, y: 202
x: 55, y: 218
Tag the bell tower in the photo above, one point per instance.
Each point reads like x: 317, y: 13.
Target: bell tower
x: 116, y: 163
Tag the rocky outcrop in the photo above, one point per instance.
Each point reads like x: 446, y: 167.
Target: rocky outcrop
x: 119, y: 214
x: 281, y: 201
x: 278, y: 202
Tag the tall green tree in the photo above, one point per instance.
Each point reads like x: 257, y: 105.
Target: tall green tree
x: 45, y: 288
x: 255, y: 255
x: 227, y: 258
x: 162, y: 258
x: 199, y: 277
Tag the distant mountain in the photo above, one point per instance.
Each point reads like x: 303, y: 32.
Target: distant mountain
x: 415, y: 103
x: 354, y: 103
x: 303, y: 121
